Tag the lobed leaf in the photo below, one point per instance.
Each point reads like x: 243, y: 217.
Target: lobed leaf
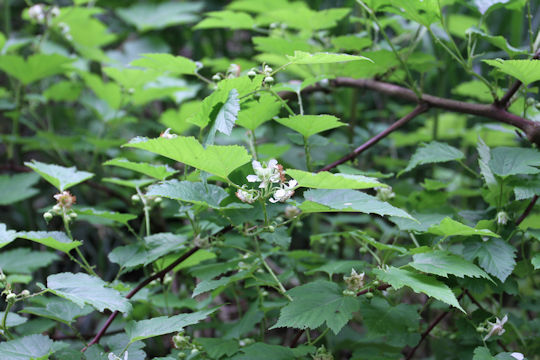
x: 59, y: 176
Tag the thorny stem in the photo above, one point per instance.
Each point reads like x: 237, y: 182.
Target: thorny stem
x: 141, y: 285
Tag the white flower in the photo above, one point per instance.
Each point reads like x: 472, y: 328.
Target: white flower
x: 111, y: 356
x: 497, y: 327
x: 285, y: 192
x: 167, y: 134
x: 37, y: 12
x: 65, y: 199
x: 246, y: 195
x: 502, y: 218
x: 517, y: 356
x: 55, y: 11
x: 291, y: 211
x: 271, y: 173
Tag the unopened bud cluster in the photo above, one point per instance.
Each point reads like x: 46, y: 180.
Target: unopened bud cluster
x: 385, y: 193
x: 63, y: 207
x: 272, y: 183
x: 182, y: 342
x: 42, y: 13
x: 322, y: 354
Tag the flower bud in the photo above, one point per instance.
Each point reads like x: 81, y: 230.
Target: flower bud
x: 55, y: 11
x: 251, y: 74
x: 502, y: 218
x: 48, y: 216
x: 25, y: 293
x: 73, y: 215
x: 2, y: 278
x: 369, y: 295
x: 271, y: 228
x: 158, y: 200
x: 269, y: 80
x: 135, y: 198
x: 10, y: 297
x: 57, y: 208
x: 216, y: 77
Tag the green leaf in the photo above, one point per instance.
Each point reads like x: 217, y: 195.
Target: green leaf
x: 255, y: 113
x: 90, y: 214
x: 526, y: 71
x: 226, y: 116
x: 215, y: 159
x: 308, y: 125
x: 13, y: 319
x: 442, y: 263
x: 29, y: 347
x: 494, y: 255
x: 60, y: 177
x: 160, y: 172
x: 449, y: 227
x: 35, y: 67
x: 144, y: 329
x: 217, y: 348
x: 17, y: 187
x: 6, y: 236
x: 484, y: 157
x: 59, y: 310
x: 424, y: 12
x: 305, y: 58
x: 210, y: 285
x: 339, y: 267
x: 398, y: 278
x: 348, y: 201
x: 299, y: 16
x: 506, y: 161
x: 25, y: 261
x: 193, y: 192
x: 226, y: 19
x: 85, y: 289
x: 527, y: 189
x: 176, y: 65
x: 316, y: 303
x: 434, y: 152
x: 393, y: 321
x: 134, y: 183
x: 482, y: 353
x: 535, y: 261
x: 327, y: 180
x: 54, y: 239
x: 151, y: 16
x: 262, y: 351
x: 485, y: 6
x: 497, y: 41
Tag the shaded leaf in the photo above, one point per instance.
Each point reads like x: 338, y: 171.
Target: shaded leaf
x: 160, y: 172
x: 60, y: 177
x: 85, y: 289
x: 25, y: 261
x: 148, y: 16
x: 305, y: 58
x: 443, y: 263
x: 193, y: 192
x: 308, y: 125
x: 434, y: 152
x: 26, y: 348
x: 398, y: 278
x: 166, y: 62
x: 61, y: 310
x: 526, y: 71
x: 494, y: 255
x: 54, y: 239
x: 6, y: 236
x: 506, y: 161
x: 17, y: 187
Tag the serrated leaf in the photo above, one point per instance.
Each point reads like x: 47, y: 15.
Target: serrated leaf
x: 85, y: 289
x: 484, y: 156
x: 308, y: 125
x: 26, y: 348
x: 255, y: 113
x: 448, y: 227
x: 35, y: 67
x: 217, y: 348
x: 498, y: 41
x: 105, y: 215
x: 535, y: 261
x: 17, y: 187
x: 398, y: 278
x: 60, y: 310
x: 144, y: 329
x: 192, y: 192
x: 527, y: 190
x: 424, y: 12
x: 262, y: 351
x: 176, y: 65
x: 348, y: 201
x: 442, y: 263
x: 305, y: 58
x: 134, y: 184
x: 148, y: 16
x: 210, y: 285
x: 316, y: 303
x: 506, y: 161
x: 339, y: 267
x: 226, y: 116
x: 495, y: 256
x: 6, y: 236
x: 526, y: 71
x: 160, y: 172
x: 54, y: 239
x: 215, y: 159
x: 434, y: 152
x: 25, y: 261
x: 482, y: 353
x: 226, y: 19
x: 327, y: 180
x: 59, y: 176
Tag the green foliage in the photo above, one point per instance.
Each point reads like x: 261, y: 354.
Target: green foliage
x: 215, y: 234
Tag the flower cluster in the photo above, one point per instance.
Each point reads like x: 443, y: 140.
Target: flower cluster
x: 272, y: 183
x: 64, y: 202
x: 40, y: 13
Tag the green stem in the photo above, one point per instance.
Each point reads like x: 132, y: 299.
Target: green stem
x: 252, y: 143
x: 471, y: 171
x: 85, y: 265
x: 263, y: 203
x: 146, y: 210
x: 283, y: 102
x: 4, y: 321
x: 319, y: 338
x: 300, y: 104
x: 531, y: 33
x: 307, y: 154
x: 282, y: 289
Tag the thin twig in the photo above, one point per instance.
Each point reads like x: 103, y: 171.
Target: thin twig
x: 425, y: 334
x: 527, y: 210
x: 374, y: 140
x: 141, y: 285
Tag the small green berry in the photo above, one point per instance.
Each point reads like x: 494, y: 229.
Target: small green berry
x: 369, y: 295
x: 216, y: 77
x: 25, y: 293
x: 10, y: 297
x: 73, y: 215
x: 271, y: 228
x: 135, y: 198
x: 48, y: 216
x: 2, y: 277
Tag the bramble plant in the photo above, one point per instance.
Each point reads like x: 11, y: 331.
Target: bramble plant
x: 270, y: 179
